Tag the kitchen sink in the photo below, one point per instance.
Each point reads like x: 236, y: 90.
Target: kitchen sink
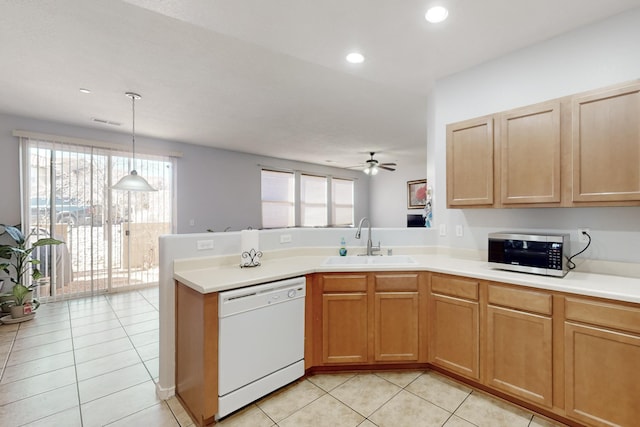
x: 370, y: 260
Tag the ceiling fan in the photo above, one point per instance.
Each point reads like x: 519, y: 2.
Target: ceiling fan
x: 372, y: 166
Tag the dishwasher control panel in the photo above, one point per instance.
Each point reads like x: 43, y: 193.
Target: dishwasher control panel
x: 240, y: 300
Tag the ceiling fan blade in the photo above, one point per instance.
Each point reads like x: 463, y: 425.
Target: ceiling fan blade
x: 386, y: 168
x: 388, y: 164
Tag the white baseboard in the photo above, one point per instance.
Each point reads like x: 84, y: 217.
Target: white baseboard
x: 165, y: 393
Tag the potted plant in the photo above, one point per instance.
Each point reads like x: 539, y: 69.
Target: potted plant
x: 17, y: 266
x: 23, y: 304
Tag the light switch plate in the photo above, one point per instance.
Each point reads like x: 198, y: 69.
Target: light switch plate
x: 285, y: 238
x: 459, y: 231
x: 443, y: 230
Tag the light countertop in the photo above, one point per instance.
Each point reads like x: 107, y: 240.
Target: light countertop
x: 205, y: 276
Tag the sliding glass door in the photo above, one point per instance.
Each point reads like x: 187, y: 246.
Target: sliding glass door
x: 111, y: 237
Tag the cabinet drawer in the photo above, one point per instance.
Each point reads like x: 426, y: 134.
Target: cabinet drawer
x: 455, y: 287
x: 519, y: 299
x: 406, y: 282
x: 344, y: 283
x: 604, y: 314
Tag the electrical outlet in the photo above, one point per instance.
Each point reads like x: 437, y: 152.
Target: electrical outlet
x: 581, y: 236
x: 443, y: 230
x: 191, y: 223
x: 285, y: 238
x: 459, y: 231
x: 204, y: 245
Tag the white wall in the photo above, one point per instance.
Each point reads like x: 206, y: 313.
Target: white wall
x: 388, y: 194
x: 598, y: 55
x: 215, y: 188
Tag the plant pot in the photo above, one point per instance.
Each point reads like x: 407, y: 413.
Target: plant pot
x: 17, y: 311
x: 27, y: 309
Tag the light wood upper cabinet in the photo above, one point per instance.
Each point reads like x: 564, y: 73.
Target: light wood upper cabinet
x: 519, y: 357
x: 606, y: 145
x: 454, y: 333
x: 530, y: 154
x: 470, y: 162
x: 602, y: 350
x: 581, y: 150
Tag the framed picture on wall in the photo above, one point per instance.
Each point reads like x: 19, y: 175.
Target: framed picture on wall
x: 417, y: 194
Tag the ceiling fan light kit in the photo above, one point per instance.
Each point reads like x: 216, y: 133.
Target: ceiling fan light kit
x: 372, y: 166
x: 371, y: 170
x: 133, y: 181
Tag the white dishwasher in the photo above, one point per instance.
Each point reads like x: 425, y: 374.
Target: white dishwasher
x: 261, y: 341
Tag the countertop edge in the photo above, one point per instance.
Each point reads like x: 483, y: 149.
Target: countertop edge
x: 221, y: 278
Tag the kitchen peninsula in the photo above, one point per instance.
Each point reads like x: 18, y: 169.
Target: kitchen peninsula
x: 537, y: 341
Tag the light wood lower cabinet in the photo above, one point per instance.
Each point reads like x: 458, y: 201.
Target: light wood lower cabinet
x: 519, y: 354
x: 345, y: 328
x: 373, y: 318
x: 519, y: 343
x: 575, y: 357
x: 454, y: 317
x: 601, y: 363
x: 397, y: 315
x: 345, y: 318
x: 197, y: 353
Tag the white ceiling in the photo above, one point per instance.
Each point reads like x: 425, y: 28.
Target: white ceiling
x: 265, y: 77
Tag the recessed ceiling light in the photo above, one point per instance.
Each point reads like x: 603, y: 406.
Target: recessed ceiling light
x: 83, y: 90
x: 355, y: 58
x: 436, y: 14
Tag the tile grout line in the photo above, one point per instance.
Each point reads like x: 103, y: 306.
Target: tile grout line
x: 75, y: 367
x: 130, y: 340
x: 143, y: 364
x: 6, y: 359
x: 300, y: 409
x: 28, y: 397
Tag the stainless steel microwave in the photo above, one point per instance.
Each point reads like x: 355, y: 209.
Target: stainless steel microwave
x: 544, y: 254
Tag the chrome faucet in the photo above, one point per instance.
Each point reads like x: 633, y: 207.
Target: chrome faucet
x: 370, y: 247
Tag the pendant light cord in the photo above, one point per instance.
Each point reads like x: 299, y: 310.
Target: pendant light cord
x: 133, y: 110
x: 133, y: 97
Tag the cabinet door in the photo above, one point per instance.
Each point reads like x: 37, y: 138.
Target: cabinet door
x: 454, y: 335
x: 530, y: 154
x: 344, y: 328
x: 606, y: 145
x: 602, y: 376
x: 396, y: 326
x: 519, y: 354
x: 470, y: 163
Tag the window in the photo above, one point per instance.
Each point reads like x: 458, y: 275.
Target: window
x: 341, y: 201
x: 111, y: 237
x: 277, y: 199
x: 292, y: 199
x: 313, y: 201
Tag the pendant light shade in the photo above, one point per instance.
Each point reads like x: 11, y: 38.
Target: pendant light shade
x: 133, y: 181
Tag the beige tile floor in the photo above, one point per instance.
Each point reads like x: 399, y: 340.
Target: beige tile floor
x: 93, y: 362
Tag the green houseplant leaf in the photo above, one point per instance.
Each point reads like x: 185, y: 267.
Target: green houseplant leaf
x: 18, y: 256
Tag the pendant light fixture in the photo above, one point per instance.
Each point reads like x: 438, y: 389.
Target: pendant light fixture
x: 133, y: 181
